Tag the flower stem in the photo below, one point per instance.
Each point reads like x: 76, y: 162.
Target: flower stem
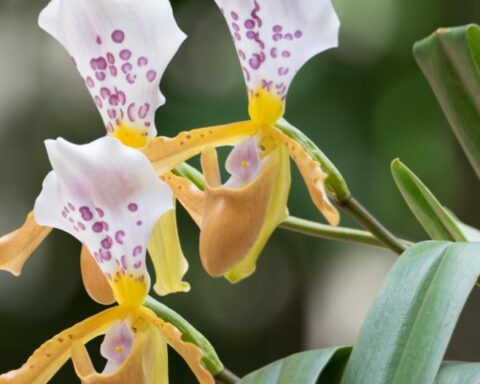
x: 324, y: 231
x: 227, y: 377
x: 365, y: 218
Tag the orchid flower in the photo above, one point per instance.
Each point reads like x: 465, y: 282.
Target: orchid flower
x: 121, y: 49
x: 108, y: 196
x: 273, y: 39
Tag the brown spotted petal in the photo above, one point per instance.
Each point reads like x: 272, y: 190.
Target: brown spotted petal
x: 237, y: 223
x: 312, y: 174
x: 52, y: 355
x: 16, y: 247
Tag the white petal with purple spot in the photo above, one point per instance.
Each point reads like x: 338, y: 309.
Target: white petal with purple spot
x: 275, y: 38
x: 108, y: 196
x: 121, y: 48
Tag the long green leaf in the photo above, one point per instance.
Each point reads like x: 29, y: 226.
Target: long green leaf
x: 449, y: 59
x: 453, y: 372
x: 437, y: 221
x: 325, y: 365
x: 408, y: 328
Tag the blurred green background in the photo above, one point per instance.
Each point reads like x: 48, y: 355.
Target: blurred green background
x: 364, y: 104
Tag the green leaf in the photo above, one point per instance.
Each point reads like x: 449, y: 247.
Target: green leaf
x: 324, y: 365
x: 408, y: 328
x: 437, y: 221
x: 453, y: 372
x: 449, y: 58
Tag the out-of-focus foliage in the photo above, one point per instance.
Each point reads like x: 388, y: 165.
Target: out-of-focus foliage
x: 363, y: 104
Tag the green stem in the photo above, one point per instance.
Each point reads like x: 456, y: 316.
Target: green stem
x: 365, y: 218
x: 324, y: 231
x: 227, y: 377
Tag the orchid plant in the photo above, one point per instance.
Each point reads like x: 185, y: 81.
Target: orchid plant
x: 117, y: 197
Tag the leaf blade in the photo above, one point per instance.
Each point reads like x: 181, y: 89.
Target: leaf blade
x: 412, y: 319
x: 449, y: 59
x: 302, y: 368
x: 437, y: 221
x: 453, y: 372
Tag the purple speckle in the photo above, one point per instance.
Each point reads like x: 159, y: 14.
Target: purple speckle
x: 110, y: 58
x: 234, y: 15
x: 99, y: 212
x: 123, y: 260
x: 118, y: 36
x: 137, y: 251
x: 127, y: 67
x: 98, y: 102
x: 100, y: 76
x: 298, y: 34
x: 86, y: 213
x: 119, y: 235
x: 97, y: 227
x: 125, y: 54
x: 151, y: 75
x: 104, y: 92
x: 139, y: 222
x: 137, y: 265
x: 89, y: 81
x: 277, y: 28
x: 142, y: 61
x: 255, y: 61
x: 132, y: 207
x: 286, y: 54
x: 143, y: 110
x: 99, y: 40
x: 107, y: 242
x: 288, y: 36
x: 105, y: 255
x: 249, y: 24
x: 277, y: 37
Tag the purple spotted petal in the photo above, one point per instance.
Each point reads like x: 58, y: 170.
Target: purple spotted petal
x: 108, y: 196
x: 275, y: 38
x: 116, y: 345
x: 243, y: 163
x: 121, y: 49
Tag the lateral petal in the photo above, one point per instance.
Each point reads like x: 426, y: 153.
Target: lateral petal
x: 17, y: 246
x: 167, y: 256
x: 51, y: 356
x: 312, y: 174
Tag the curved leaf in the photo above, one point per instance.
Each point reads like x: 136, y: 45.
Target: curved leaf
x: 325, y: 365
x: 408, y: 328
x: 449, y: 59
x: 437, y: 221
x: 453, y: 372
